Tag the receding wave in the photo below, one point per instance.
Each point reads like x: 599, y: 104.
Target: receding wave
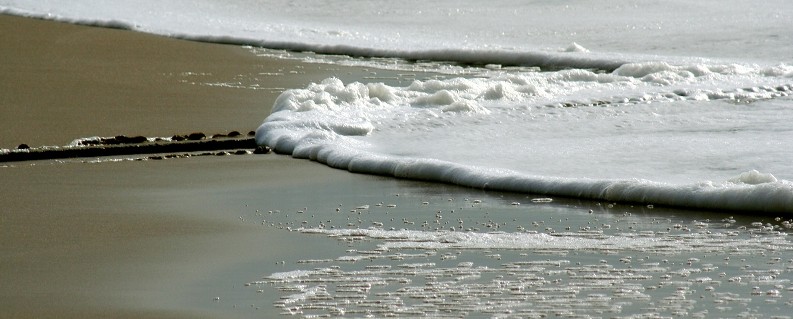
x: 751, y: 191
x: 365, y: 128
x: 546, y: 60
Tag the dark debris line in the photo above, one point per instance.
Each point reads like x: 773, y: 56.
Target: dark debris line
x: 139, y: 145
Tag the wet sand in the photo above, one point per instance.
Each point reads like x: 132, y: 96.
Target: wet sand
x: 149, y: 238
x: 141, y: 238
x: 62, y: 81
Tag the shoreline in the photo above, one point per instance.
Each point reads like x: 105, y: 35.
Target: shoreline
x: 142, y: 238
x: 197, y: 237
x: 63, y: 81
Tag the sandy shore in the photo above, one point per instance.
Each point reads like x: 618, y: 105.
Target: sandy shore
x: 197, y: 237
x: 158, y: 238
x: 62, y: 81
x: 142, y: 238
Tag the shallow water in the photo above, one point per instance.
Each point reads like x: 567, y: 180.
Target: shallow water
x: 436, y: 250
x: 389, y: 249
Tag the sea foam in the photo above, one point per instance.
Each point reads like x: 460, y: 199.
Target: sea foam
x: 438, y: 130
x: 548, y: 34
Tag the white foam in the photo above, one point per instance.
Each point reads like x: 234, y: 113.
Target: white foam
x: 615, y: 271
x: 754, y: 177
x: 579, y: 35
x: 579, y: 241
x: 638, y: 134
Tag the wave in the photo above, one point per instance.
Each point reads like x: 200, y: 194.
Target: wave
x: 543, y: 60
x: 573, y: 57
x: 751, y: 191
x: 343, y: 126
x: 395, y: 31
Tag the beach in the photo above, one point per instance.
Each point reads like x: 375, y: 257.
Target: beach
x: 64, y: 81
x: 262, y: 235
x: 158, y: 238
x: 141, y: 238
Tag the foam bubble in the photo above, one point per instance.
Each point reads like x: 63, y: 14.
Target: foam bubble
x: 575, y: 47
x: 754, y: 177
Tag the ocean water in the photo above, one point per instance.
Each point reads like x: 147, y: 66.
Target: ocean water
x: 661, y: 103
x: 649, y: 103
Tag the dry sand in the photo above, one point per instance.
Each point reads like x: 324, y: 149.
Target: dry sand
x: 141, y: 238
